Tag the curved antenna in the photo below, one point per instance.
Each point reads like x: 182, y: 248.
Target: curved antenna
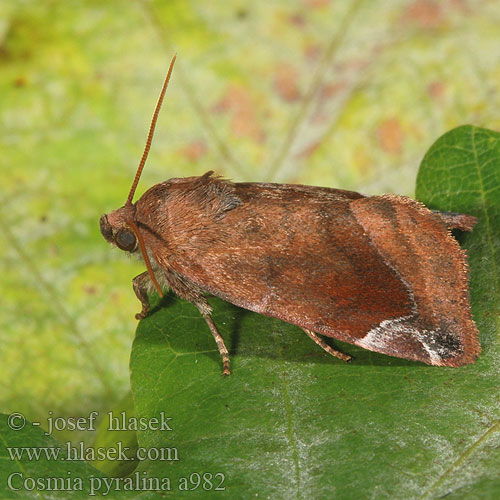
x: 150, y: 135
x: 131, y: 222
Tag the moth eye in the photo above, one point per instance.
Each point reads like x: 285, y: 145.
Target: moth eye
x: 125, y: 240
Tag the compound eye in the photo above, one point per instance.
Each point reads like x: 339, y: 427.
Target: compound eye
x: 125, y: 240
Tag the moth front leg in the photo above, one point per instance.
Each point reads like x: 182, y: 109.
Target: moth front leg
x: 141, y: 290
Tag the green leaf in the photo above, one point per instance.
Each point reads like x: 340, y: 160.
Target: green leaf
x: 58, y: 473
x: 461, y: 173
x: 293, y: 422
x: 110, y: 438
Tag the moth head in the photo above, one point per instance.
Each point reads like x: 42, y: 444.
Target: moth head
x: 116, y: 231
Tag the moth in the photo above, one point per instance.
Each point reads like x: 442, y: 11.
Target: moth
x: 380, y: 272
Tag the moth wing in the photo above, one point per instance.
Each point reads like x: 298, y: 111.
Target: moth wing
x: 416, y: 242
x: 381, y: 272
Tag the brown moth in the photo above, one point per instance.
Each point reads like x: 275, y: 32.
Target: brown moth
x: 381, y: 272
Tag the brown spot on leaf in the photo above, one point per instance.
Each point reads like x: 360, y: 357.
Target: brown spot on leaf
x: 312, y: 51
x: 436, y: 90
x: 297, y: 20
x: 195, y: 150
x: 20, y: 81
x: 426, y: 14
x: 317, y: 3
x: 238, y: 102
x: 90, y: 289
x: 460, y: 4
x: 286, y: 82
x: 390, y: 136
x: 330, y: 89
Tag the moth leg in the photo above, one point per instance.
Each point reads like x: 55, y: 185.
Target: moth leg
x: 141, y: 290
x: 220, y: 343
x: 194, y: 294
x: 326, y: 347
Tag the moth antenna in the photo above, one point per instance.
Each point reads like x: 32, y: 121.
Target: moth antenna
x: 142, y: 246
x: 150, y: 134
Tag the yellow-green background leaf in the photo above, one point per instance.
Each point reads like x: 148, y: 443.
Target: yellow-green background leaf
x: 346, y: 94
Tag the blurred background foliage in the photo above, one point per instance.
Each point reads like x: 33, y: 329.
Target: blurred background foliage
x: 347, y: 94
